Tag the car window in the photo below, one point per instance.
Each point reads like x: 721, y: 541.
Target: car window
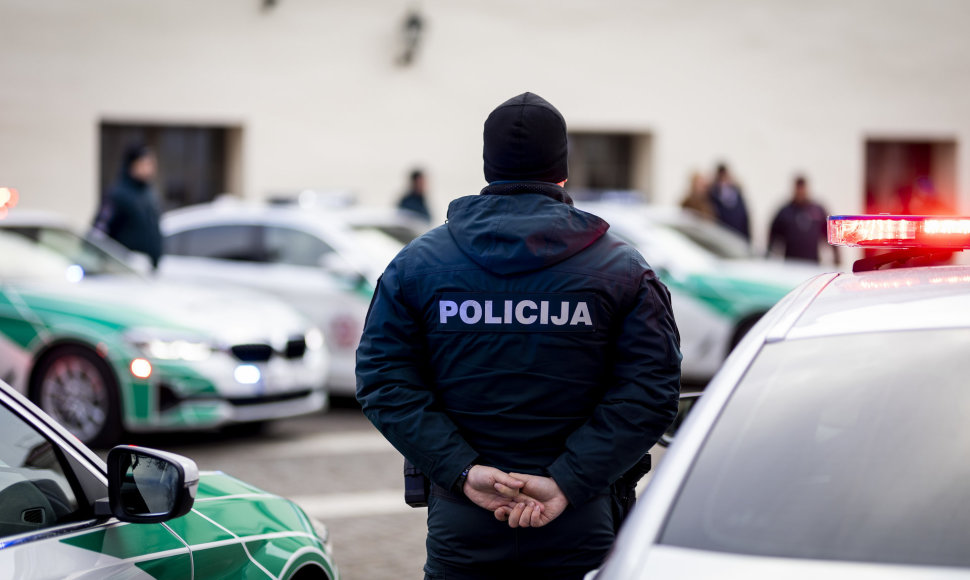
x: 224, y: 242
x: 719, y: 241
x: 377, y: 244
x: 294, y: 247
x: 34, y: 490
x: 843, y: 448
x: 53, y: 253
x: 401, y: 234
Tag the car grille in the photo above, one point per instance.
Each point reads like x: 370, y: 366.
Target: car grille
x: 295, y: 348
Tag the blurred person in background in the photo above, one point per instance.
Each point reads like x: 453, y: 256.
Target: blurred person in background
x: 414, y: 199
x: 696, y: 198
x: 727, y: 200
x: 800, y: 226
x: 129, y: 210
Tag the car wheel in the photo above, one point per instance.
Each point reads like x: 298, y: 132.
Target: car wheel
x: 77, y: 388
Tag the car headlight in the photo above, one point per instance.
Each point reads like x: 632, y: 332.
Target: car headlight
x: 314, y: 339
x: 162, y: 347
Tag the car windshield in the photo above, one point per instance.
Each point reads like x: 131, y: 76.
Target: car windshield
x: 675, y: 237
x: 32, y: 253
x: 715, y: 239
x: 376, y: 244
x: 839, y: 448
x: 400, y: 234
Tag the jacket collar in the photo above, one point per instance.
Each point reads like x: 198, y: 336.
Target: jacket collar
x: 517, y: 187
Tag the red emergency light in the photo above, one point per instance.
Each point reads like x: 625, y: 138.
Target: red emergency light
x: 899, y: 231
x: 8, y: 199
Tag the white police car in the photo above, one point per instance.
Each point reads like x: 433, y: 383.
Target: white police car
x: 317, y: 263
x: 833, y: 443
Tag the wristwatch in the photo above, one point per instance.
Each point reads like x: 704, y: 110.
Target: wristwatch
x: 460, y: 484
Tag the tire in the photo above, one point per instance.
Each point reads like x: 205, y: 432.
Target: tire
x: 77, y: 389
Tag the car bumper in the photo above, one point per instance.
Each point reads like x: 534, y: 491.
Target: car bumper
x: 223, y: 391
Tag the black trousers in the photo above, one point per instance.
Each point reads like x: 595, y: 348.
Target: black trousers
x: 466, y: 542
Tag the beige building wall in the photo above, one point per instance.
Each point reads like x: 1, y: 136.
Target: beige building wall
x: 772, y: 87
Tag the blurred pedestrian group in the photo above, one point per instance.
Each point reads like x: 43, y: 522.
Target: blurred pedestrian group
x: 797, y: 229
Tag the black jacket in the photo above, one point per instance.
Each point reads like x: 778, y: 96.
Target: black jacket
x: 129, y: 214
x: 521, y: 335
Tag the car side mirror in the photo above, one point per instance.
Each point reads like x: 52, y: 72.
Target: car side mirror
x: 687, y: 401
x: 147, y: 485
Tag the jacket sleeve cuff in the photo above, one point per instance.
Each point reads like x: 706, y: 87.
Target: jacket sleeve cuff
x: 451, y: 469
x: 575, y: 492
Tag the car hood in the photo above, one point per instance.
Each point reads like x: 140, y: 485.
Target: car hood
x: 245, y: 510
x: 739, y: 287
x: 125, y: 302
x: 672, y: 562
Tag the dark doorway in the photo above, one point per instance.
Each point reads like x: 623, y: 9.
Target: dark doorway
x: 910, y: 177
x: 608, y: 164
x: 193, y: 161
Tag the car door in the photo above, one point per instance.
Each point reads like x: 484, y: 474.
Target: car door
x: 47, y: 527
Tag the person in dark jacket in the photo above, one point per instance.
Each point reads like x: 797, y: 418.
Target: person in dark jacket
x: 524, y: 359
x: 129, y: 210
x: 800, y: 227
x: 727, y: 199
x: 414, y: 199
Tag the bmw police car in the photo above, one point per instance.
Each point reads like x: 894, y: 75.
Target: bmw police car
x: 833, y: 442
x: 320, y: 265
x: 102, y: 349
x: 64, y: 513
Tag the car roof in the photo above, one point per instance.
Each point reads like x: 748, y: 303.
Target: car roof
x: 35, y: 218
x: 231, y: 209
x: 878, y: 301
x: 617, y: 210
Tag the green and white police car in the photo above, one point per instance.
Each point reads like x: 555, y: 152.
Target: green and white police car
x: 103, y: 349
x: 65, y: 513
x: 719, y: 287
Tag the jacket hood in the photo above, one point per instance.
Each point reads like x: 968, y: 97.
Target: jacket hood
x: 521, y: 227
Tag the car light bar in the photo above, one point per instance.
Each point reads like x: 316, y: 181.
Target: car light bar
x: 898, y: 231
x: 8, y: 199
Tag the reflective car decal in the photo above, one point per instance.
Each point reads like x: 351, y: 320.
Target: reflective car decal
x: 728, y: 296
x: 234, y: 530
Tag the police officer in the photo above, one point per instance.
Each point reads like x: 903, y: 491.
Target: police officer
x: 523, y: 358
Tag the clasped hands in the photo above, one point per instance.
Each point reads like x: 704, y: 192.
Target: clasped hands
x: 527, y: 501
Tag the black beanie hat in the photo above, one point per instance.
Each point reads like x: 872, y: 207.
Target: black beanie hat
x: 525, y: 140
x: 133, y: 152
